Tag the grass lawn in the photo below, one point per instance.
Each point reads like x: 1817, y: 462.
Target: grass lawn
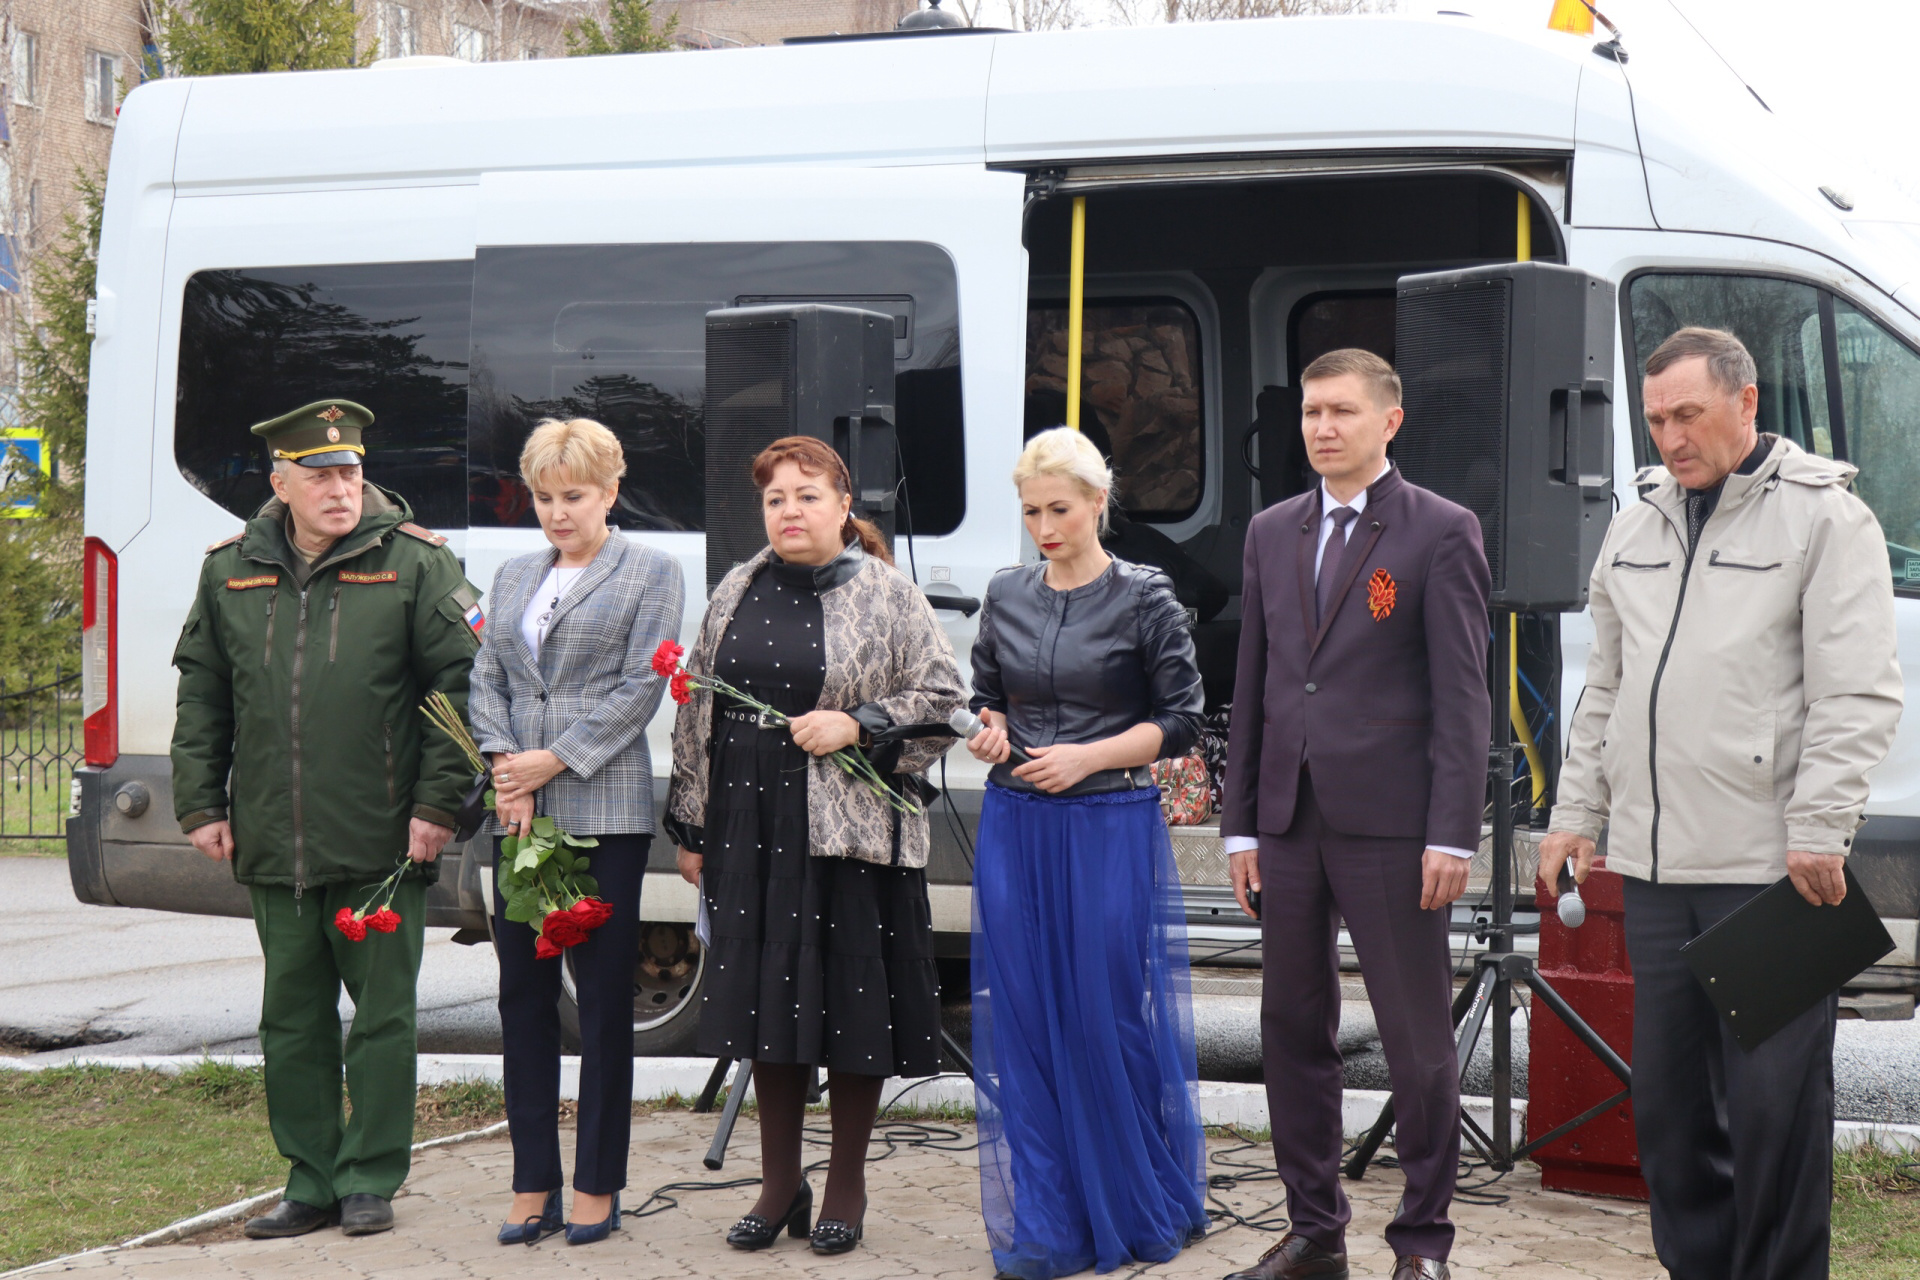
x: 95, y: 1155
x: 1876, y: 1216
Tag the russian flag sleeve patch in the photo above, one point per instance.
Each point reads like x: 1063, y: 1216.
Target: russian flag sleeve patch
x: 470, y: 612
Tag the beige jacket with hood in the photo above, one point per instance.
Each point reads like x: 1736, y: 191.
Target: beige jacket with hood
x: 1737, y: 697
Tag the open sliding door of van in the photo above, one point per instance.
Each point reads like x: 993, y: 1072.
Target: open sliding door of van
x: 590, y: 295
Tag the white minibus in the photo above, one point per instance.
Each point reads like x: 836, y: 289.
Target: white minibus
x: 466, y: 248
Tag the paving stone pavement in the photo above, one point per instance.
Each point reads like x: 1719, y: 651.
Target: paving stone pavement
x: 924, y: 1221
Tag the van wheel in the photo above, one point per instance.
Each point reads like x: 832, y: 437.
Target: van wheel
x: 668, y: 973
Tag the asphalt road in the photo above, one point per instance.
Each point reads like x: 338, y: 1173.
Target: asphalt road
x: 80, y: 979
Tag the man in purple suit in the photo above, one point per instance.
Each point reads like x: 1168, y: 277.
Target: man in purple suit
x: 1356, y: 779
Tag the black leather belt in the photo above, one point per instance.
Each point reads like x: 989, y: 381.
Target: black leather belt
x: 758, y: 719
x: 1093, y: 784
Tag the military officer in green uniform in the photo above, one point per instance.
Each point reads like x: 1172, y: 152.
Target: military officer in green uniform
x: 300, y: 754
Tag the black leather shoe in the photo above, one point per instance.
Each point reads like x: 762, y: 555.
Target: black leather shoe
x: 1296, y: 1258
x: 831, y: 1236
x: 290, y: 1218
x: 534, y: 1230
x: 755, y: 1232
x: 595, y: 1232
x: 1413, y: 1267
x: 364, y: 1214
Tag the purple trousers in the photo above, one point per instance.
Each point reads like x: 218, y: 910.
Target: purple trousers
x: 1312, y: 877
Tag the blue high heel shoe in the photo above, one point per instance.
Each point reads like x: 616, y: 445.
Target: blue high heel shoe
x: 595, y: 1232
x: 534, y: 1230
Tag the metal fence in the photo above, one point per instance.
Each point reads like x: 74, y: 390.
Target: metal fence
x: 40, y: 746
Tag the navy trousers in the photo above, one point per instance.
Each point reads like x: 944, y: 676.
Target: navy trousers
x: 530, y: 1031
x: 1311, y: 878
x: 1736, y: 1147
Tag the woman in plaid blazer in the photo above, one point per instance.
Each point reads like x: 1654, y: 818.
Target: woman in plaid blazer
x: 562, y: 693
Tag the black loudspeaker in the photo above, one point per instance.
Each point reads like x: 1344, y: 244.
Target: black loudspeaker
x: 803, y: 370
x: 1508, y: 372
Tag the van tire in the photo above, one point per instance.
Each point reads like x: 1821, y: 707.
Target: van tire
x: 669, y: 975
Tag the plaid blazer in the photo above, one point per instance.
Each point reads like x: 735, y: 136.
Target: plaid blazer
x: 589, y: 694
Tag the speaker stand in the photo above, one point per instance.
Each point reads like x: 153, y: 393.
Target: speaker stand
x: 1498, y: 968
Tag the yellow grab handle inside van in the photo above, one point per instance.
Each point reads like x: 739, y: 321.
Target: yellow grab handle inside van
x: 1076, y: 307
x: 1523, y: 252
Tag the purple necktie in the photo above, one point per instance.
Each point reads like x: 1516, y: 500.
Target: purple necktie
x: 1330, y: 561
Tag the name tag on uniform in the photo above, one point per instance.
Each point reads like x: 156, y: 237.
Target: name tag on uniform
x: 385, y: 575
x: 258, y: 580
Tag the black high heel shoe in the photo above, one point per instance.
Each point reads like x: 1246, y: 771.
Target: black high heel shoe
x: 831, y: 1236
x: 755, y: 1232
x: 595, y: 1232
x: 534, y: 1230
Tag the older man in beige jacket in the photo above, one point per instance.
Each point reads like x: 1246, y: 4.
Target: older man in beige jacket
x: 1742, y: 684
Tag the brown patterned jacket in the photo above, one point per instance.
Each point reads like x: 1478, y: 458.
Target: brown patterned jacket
x: 886, y: 654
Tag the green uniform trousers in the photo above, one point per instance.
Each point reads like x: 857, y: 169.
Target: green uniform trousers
x: 307, y: 960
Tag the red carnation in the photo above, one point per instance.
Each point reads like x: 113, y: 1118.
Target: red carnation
x: 350, y: 924
x: 591, y: 912
x: 544, y: 950
x: 563, y: 929
x: 680, y: 687
x: 666, y: 658
x: 385, y: 920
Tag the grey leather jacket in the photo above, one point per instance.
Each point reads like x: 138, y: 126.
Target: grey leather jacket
x: 1081, y: 665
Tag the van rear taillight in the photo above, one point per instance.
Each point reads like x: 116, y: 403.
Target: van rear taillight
x: 99, y: 654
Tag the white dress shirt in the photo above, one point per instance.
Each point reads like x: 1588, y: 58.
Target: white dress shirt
x: 1328, y: 527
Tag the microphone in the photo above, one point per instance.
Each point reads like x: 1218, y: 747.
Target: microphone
x: 1573, y: 908
x: 969, y: 725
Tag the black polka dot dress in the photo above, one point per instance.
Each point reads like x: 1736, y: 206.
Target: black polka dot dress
x: 827, y: 961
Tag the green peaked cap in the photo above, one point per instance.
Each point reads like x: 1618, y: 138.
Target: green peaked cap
x: 325, y: 433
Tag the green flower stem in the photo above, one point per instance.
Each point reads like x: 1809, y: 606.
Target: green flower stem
x: 851, y: 760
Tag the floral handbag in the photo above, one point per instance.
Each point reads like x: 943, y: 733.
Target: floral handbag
x: 1186, y: 790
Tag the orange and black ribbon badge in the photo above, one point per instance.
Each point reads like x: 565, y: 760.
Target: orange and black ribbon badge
x: 1381, y: 593
x: 258, y: 580
x: 384, y: 575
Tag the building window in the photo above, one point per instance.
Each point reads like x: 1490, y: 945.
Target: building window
x: 471, y: 43
x: 103, y: 70
x: 397, y: 35
x: 26, y: 68
x: 30, y: 229
x: 531, y: 52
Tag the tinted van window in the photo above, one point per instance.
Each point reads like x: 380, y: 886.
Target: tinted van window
x: 255, y: 343
x: 1140, y: 396
x: 617, y: 333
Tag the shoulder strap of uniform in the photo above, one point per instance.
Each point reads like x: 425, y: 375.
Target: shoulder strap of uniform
x: 427, y: 536
x: 226, y: 542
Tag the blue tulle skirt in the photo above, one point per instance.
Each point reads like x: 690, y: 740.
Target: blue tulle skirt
x: 1091, y: 1152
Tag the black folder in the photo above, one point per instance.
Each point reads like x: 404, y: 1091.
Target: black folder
x: 1779, y: 955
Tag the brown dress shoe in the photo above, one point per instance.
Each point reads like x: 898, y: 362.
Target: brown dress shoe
x: 1296, y: 1258
x: 1416, y: 1268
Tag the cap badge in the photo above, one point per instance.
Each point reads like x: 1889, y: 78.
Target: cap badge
x: 333, y: 435
x: 331, y: 413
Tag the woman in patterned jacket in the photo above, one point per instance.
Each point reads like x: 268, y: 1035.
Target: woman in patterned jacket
x: 815, y: 887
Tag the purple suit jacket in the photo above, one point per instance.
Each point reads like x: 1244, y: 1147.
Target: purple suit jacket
x: 1388, y: 699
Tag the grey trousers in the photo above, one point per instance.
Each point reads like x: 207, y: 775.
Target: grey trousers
x: 1736, y: 1147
